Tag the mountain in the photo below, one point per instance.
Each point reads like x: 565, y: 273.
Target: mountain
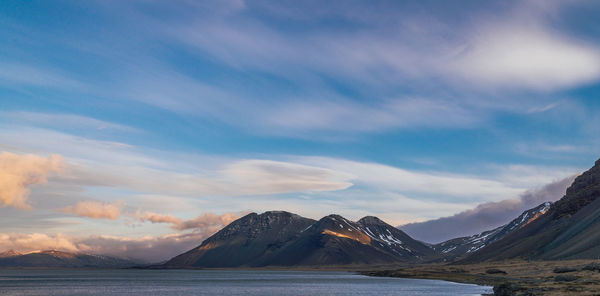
x: 285, y: 239
x: 52, y: 258
x: 569, y: 230
x: 247, y: 241
x: 457, y: 248
x: 334, y: 240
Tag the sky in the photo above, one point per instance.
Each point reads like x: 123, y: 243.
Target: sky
x: 137, y: 128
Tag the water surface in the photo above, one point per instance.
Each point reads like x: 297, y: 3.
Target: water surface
x: 27, y: 282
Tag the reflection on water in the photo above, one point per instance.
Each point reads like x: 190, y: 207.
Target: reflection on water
x: 211, y: 282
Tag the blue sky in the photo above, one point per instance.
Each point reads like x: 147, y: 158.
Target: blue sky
x: 407, y: 110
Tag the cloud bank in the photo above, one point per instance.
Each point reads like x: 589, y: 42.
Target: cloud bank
x: 146, y: 249
x: 18, y: 172
x: 39, y: 242
x: 485, y: 216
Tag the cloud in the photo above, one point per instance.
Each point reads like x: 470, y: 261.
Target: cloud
x: 95, y: 209
x: 18, y: 172
x: 39, y: 242
x: 485, y: 216
x: 158, y: 218
x: 257, y: 176
x: 94, y: 163
x: 146, y: 249
x: 208, y: 221
x: 346, y: 116
x: 23, y: 74
x: 229, y: 178
x: 293, y: 183
x: 498, y: 183
x: 530, y: 54
x: 62, y: 121
x: 392, y: 64
x: 521, y: 57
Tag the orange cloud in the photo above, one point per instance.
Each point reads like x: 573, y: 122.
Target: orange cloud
x: 18, y: 172
x: 206, y: 221
x: 95, y: 209
x: 159, y: 218
x: 147, y: 248
x: 39, y: 242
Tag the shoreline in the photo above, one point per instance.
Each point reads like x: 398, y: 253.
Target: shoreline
x: 514, y: 277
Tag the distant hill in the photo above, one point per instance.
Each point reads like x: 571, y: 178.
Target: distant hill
x: 569, y: 230
x: 285, y: 239
x: 52, y: 258
x: 457, y: 248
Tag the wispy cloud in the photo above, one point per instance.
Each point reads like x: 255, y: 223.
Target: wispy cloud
x: 27, y: 75
x: 346, y: 116
x: 61, y: 121
x: 500, y: 181
x: 382, y: 71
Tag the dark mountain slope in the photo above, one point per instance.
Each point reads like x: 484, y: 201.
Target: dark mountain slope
x: 245, y: 242
x: 285, y: 239
x: 61, y: 259
x: 394, y: 240
x: 334, y: 240
x: 330, y: 241
x: 463, y: 246
x: 569, y: 230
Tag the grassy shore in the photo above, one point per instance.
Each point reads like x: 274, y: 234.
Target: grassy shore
x: 515, y: 277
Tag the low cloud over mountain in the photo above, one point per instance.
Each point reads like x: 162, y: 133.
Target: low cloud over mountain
x: 485, y: 216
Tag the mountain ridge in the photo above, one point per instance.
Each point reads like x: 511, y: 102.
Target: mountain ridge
x: 54, y: 258
x: 461, y: 247
x: 332, y: 240
x: 570, y: 229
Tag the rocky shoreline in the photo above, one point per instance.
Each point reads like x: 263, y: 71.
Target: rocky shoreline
x: 515, y: 277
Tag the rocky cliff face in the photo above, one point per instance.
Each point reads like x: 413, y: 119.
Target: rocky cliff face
x: 584, y: 190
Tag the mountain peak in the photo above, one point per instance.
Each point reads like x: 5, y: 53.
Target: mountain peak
x: 279, y: 214
x: 333, y: 217
x: 371, y: 220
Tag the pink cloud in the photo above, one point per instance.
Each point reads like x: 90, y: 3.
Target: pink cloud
x: 18, y: 172
x: 95, y: 209
x: 205, y: 221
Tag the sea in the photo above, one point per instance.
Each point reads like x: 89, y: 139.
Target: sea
x: 81, y: 282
